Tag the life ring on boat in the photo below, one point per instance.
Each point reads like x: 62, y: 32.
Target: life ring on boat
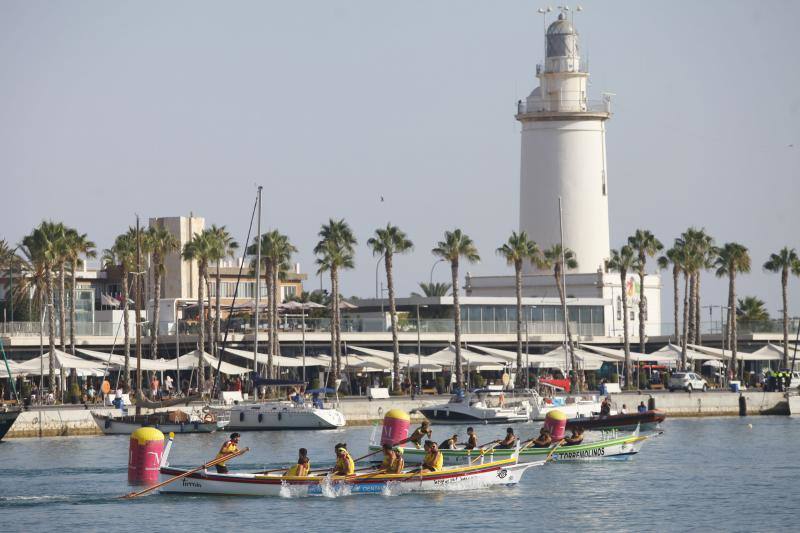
x: 260, y: 417
x: 208, y: 417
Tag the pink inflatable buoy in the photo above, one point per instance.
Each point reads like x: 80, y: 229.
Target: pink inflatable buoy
x: 396, y: 423
x: 556, y: 422
x: 144, y: 455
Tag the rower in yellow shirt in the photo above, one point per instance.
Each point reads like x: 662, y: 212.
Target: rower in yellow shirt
x: 434, y: 459
x: 230, y: 446
x: 303, y: 465
x: 345, y: 466
x: 393, y: 462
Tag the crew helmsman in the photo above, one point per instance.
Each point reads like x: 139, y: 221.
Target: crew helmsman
x: 434, y: 459
x: 345, y: 466
x: 472, y: 439
x: 231, y: 445
x: 422, y: 431
x: 303, y: 465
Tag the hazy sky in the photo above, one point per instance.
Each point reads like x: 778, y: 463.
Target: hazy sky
x: 165, y: 108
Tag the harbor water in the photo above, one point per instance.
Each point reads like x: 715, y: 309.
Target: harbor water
x: 716, y: 474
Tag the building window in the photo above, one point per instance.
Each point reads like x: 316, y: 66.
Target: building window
x: 289, y: 291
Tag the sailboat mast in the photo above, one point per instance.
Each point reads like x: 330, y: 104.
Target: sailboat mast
x: 563, y: 283
x: 258, y: 281
x: 138, y: 304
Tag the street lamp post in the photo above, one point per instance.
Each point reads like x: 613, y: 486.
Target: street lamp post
x: 377, y: 269
x: 419, y: 354
x: 433, y: 267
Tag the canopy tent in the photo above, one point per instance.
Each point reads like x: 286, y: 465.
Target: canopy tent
x: 413, y: 361
x: 619, y: 355
x: 118, y: 361
x: 588, y: 360
x: 61, y: 360
x: 511, y: 357
x: 672, y: 352
x: 279, y: 360
x: 12, y: 365
x: 768, y: 352
x: 190, y: 360
x: 472, y: 360
x: 367, y: 363
x: 299, y: 306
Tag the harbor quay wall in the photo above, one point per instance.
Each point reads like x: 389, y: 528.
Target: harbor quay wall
x: 716, y: 403
x: 77, y: 420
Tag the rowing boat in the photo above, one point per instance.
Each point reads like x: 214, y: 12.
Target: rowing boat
x: 125, y: 425
x: 620, y: 447
x: 647, y: 420
x: 504, y: 472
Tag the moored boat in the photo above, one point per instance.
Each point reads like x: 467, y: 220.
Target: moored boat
x: 505, y: 472
x: 611, y: 448
x: 648, y: 420
x: 7, y: 419
x: 475, y: 408
x: 164, y: 421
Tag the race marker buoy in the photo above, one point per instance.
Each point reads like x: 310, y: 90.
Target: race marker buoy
x: 396, y: 423
x: 556, y: 422
x: 144, y: 455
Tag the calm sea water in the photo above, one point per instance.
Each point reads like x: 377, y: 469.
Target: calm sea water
x: 710, y: 473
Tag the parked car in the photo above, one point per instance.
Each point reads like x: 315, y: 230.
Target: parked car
x: 687, y: 381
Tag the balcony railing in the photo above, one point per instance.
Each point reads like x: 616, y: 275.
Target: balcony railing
x: 559, y: 105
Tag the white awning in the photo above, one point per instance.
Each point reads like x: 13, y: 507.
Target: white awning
x: 673, y: 352
x: 277, y: 360
x: 769, y: 352
x: 190, y: 360
x: 61, y: 360
x: 472, y: 360
x: 535, y: 360
x: 118, y: 361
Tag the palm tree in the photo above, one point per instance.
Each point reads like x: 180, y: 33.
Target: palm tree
x: 387, y: 242
x: 751, y: 309
x: 43, y: 247
x: 76, y: 245
x: 160, y: 243
x: 707, y: 257
x: 785, y: 261
x: 516, y: 251
x: 223, y: 246
x: 277, y: 251
x: 645, y: 244
x: 122, y: 254
x: 624, y: 260
x: 672, y: 257
x: 335, y: 252
x: 732, y: 259
x: 199, y: 249
x: 556, y: 260
x: 434, y: 289
x: 456, y: 245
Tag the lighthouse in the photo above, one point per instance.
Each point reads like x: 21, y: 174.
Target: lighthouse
x: 564, y: 154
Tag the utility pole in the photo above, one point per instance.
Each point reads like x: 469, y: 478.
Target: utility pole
x: 138, y: 305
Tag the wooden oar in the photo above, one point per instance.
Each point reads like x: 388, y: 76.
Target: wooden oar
x: 549, y: 455
x: 483, y: 451
x: 186, y: 474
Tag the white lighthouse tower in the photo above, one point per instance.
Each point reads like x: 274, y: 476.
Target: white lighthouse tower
x: 564, y: 154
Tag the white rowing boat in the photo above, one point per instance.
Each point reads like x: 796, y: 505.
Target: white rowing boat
x: 505, y: 472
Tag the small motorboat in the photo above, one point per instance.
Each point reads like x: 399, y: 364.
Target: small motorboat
x: 475, y: 408
x: 167, y: 422
x: 572, y: 406
x: 647, y: 420
x: 505, y: 472
x: 610, y: 448
x: 7, y: 419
